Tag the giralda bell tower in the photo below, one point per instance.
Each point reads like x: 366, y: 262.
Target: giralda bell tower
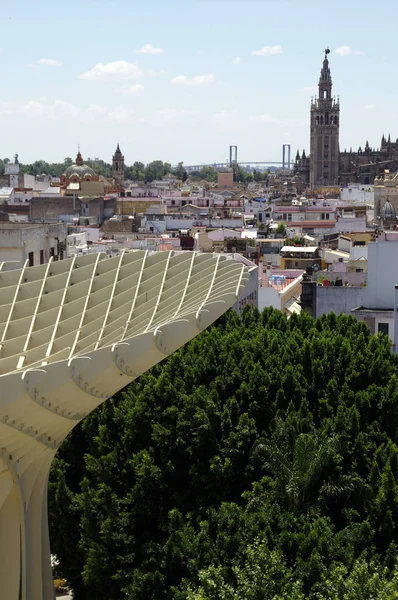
x: 325, y: 122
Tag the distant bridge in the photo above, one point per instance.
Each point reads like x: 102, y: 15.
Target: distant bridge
x: 286, y: 161
x: 245, y: 163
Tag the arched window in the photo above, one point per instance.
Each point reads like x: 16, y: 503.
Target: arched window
x: 321, y: 120
x: 317, y: 121
x: 326, y: 118
x: 325, y: 94
x: 336, y: 120
x: 117, y: 166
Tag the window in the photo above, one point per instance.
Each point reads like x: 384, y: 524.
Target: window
x: 41, y: 257
x: 327, y: 216
x: 31, y: 259
x: 382, y: 328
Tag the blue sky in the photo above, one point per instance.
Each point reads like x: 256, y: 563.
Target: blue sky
x: 183, y: 80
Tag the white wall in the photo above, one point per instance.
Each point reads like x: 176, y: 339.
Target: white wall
x: 358, y: 252
x: 268, y: 296
x: 338, y: 299
x: 350, y: 225
x: 19, y: 240
x: 357, y: 193
x: 382, y: 274
x: 12, y: 254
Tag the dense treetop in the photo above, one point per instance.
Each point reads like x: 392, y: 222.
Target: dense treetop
x: 258, y: 462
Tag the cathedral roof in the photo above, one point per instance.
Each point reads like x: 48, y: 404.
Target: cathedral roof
x: 79, y: 168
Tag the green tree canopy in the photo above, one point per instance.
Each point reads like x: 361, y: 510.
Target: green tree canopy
x: 259, y: 461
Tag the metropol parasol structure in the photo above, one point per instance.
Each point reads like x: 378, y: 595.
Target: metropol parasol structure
x: 72, y: 333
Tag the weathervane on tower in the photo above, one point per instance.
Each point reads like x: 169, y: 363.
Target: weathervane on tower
x: 327, y: 51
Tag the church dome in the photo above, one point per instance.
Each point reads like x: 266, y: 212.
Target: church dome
x: 79, y: 169
x: 387, y: 212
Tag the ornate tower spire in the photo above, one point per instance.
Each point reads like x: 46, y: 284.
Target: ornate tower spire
x: 118, y: 167
x: 325, y: 79
x: 79, y: 159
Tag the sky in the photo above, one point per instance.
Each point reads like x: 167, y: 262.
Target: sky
x: 183, y: 80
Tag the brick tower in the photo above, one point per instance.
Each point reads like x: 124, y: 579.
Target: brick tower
x: 118, y: 168
x: 325, y: 122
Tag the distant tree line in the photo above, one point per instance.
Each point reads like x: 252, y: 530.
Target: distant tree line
x: 154, y: 170
x: 259, y: 462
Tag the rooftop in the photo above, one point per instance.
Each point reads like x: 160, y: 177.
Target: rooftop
x: 305, y: 249
x: 6, y: 191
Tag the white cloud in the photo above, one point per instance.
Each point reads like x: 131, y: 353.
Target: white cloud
x: 196, y: 81
x: 117, y: 70
x: 95, y: 111
x: 151, y: 73
x: 369, y: 107
x: 121, y: 114
x: 309, y: 88
x: 343, y: 51
x: 50, y: 62
x: 64, y: 110
x: 58, y: 110
x: 172, y: 114
x: 32, y: 108
x: 236, y: 60
x: 347, y: 51
x: 264, y: 119
x: 133, y: 90
x: 149, y: 49
x: 267, y: 51
x: 224, y: 116
x: 270, y: 120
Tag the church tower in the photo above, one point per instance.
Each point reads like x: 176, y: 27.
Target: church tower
x: 118, y: 168
x: 325, y: 122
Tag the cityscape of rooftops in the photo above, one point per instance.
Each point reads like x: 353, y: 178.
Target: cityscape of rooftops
x: 198, y: 300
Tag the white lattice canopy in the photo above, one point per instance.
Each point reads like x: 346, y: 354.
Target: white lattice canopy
x: 73, y: 333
